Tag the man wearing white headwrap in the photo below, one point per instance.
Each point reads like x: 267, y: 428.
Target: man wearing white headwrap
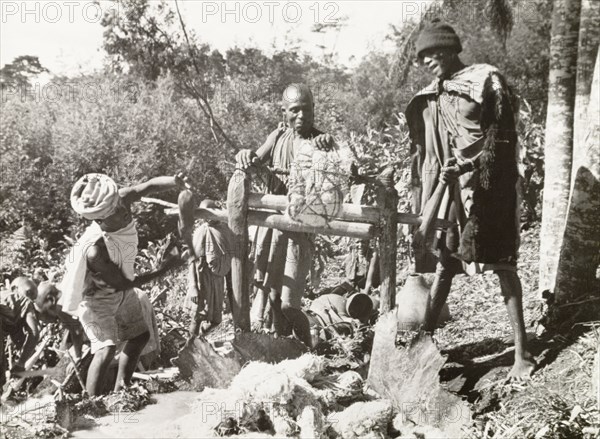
x: 99, y: 281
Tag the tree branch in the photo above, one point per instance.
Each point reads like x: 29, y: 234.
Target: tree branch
x: 198, y: 96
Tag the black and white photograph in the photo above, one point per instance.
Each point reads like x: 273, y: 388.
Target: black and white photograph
x: 300, y: 219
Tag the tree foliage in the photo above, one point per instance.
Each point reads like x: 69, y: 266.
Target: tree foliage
x: 167, y: 101
x: 19, y: 72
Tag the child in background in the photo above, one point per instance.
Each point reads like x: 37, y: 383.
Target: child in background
x: 212, y: 242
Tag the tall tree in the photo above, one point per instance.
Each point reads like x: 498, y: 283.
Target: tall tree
x: 579, y: 257
x: 589, y: 38
x: 559, y: 135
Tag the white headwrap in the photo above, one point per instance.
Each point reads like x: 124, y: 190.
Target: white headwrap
x: 94, y: 196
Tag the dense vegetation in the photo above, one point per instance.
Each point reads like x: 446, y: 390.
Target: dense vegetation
x: 149, y: 113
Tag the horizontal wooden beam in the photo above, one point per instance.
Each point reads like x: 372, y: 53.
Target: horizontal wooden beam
x: 359, y: 230
x: 348, y: 212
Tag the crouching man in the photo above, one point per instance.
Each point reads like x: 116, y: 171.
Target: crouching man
x: 18, y: 320
x: 49, y: 311
x: 99, y: 281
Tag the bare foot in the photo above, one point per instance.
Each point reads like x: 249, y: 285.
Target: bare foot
x: 257, y: 326
x: 206, y: 327
x: 522, y: 369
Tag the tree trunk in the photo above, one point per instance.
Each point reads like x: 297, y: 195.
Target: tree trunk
x: 559, y: 135
x: 579, y: 260
x: 589, y: 38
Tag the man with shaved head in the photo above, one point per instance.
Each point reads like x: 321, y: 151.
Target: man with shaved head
x: 50, y: 311
x: 24, y: 287
x: 284, y: 258
x: 21, y: 322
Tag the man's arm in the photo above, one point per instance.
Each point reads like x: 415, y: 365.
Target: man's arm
x: 158, y: 184
x: 321, y: 140
x: 99, y: 262
x: 31, y: 340
x: 246, y: 157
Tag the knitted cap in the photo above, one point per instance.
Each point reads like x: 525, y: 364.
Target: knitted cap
x: 437, y: 35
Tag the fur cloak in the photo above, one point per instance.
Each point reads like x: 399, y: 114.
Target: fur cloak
x: 489, y: 233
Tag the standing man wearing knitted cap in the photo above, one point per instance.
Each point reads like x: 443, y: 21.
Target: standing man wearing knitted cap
x: 283, y: 258
x: 463, y: 142
x: 99, y: 279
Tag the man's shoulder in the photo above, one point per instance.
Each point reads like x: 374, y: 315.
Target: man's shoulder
x: 477, y: 72
x: 277, y: 134
x: 418, y: 103
x: 96, y: 250
x: 316, y: 132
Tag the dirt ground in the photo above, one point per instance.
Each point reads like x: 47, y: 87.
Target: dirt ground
x: 559, y: 401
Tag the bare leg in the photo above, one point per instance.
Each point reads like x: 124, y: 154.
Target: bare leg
x: 193, y: 292
x: 446, y: 268
x: 277, y: 320
x: 195, y: 325
x: 274, y: 280
x: 98, y: 368
x: 299, y: 258
x: 372, y: 272
x: 510, y: 285
x: 76, y: 340
x: 186, y: 219
x: 259, y: 305
x: 261, y: 291
x: 128, y: 359
x: 214, y: 296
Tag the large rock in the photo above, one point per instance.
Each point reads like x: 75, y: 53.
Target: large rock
x: 409, y: 377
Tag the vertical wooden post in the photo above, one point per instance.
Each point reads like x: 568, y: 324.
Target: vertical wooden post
x: 237, y: 209
x: 387, y: 200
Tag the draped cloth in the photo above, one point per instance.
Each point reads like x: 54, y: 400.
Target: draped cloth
x: 468, y: 117
x: 122, y: 247
x: 271, y: 247
x: 282, y: 146
x: 153, y: 344
x: 213, y: 245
